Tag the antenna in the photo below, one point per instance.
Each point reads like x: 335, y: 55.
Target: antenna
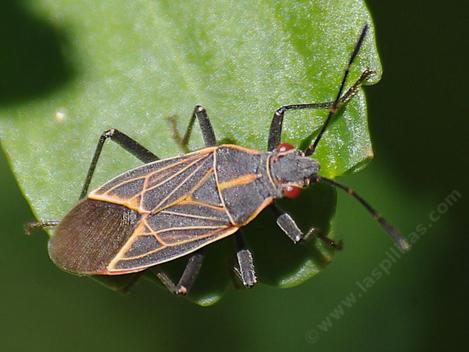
x: 312, y: 148
x: 391, y: 230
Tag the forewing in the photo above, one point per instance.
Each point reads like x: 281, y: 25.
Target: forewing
x: 172, y: 233
x: 155, y: 185
x: 182, y: 213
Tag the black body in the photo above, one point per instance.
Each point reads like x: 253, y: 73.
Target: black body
x: 170, y: 208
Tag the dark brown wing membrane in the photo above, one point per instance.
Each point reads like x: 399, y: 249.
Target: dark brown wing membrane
x: 91, y: 235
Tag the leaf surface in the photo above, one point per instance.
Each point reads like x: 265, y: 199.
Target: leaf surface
x: 131, y: 65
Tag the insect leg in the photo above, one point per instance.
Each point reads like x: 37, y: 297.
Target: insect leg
x: 188, y: 277
x: 129, y: 144
x: 190, y: 273
x: 312, y: 148
x: 205, y: 125
x: 287, y: 224
x: 317, y: 233
x: 291, y: 229
x: 275, y: 133
x: 33, y: 225
x: 245, y: 270
x: 120, y: 138
x: 165, y: 279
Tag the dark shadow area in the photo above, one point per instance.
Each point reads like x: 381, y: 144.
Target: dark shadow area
x: 315, y: 208
x: 9, y: 190
x: 32, y: 57
x: 423, y: 133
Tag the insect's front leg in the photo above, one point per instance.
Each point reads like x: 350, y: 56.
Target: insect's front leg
x: 188, y: 277
x: 276, y: 126
x: 244, y: 270
x: 291, y: 229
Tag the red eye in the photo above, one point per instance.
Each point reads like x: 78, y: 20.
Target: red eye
x: 283, y: 147
x: 292, y: 192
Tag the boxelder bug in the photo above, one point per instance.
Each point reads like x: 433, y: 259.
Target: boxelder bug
x: 174, y: 207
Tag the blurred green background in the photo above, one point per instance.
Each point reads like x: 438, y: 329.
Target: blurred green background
x: 418, y: 123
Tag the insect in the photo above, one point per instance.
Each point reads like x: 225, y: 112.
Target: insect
x: 170, y: 208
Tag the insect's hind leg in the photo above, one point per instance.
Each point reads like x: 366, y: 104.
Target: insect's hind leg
x: 244, y: 270
x: 205, y: 125
x: 129, y: 144
x: 34, y: 225
x: 188, y: 277
x: 276, y: 126
x: 291, y: 229
x: 126, y: 142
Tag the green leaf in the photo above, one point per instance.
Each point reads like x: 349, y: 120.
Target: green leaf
x: 90, y: 66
